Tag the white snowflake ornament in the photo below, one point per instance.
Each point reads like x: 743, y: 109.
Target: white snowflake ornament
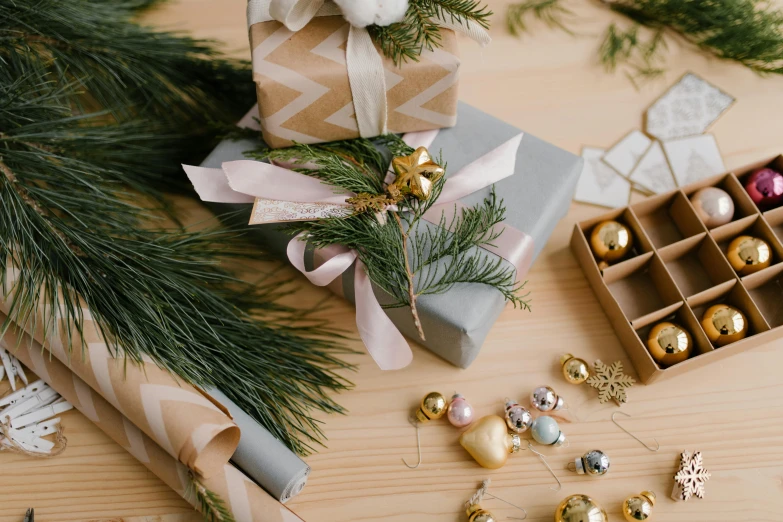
x: 691, y: 477
x: 610, y: 381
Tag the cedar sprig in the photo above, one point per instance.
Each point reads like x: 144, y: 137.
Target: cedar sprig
x: 420, y: 29
x: 404, y: 255
x: 96, y: 115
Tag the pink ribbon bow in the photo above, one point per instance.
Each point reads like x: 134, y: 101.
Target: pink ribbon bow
x: 247, y: 181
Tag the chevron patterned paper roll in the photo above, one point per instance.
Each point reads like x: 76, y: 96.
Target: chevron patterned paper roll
x: 246, y: 500
x: 304, y: 94
x: 189, y: 426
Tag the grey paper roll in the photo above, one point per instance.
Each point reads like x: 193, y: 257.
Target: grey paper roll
x: 262, y: 457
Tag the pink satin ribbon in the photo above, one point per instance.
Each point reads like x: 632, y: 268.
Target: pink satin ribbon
x: 243, y: 181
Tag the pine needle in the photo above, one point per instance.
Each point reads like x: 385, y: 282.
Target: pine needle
x: 420, y: 29
x: 552, y: 12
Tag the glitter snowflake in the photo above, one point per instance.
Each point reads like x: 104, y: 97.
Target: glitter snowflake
x: 610, y: 381
x: 692, y: 475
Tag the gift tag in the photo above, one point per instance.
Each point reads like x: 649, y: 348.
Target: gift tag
x: 653, y: 172
x: 600, y: 184
x: 688, y: 108
x: 625, y: 155
x: 693, y: 159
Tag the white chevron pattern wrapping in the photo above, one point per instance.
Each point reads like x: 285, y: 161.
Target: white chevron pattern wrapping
x: 309, y: 100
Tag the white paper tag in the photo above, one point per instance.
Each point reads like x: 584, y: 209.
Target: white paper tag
x: 625, y: 155
x: 653, y: 172
x: 693, y: 159
x: 688, y: 108
x: 600, y: 184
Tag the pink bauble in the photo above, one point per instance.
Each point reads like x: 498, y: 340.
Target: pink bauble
x: 765, y: 187
x: 460, y: 412
x: 714, y: 206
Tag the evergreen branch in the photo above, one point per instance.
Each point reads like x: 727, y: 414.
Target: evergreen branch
x: 209, y: 503
x: 551, y: 12
x: 420, y: 28
x: 642, y: 58
x: 95, y: 110
x: 354, y: 167
x: 747, y: 31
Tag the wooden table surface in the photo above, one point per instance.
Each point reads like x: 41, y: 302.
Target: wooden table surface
x: 550, y: 85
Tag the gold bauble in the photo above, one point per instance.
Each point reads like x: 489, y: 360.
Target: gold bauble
x: 610, y: 241
x: 669, y: 343
x: 580, y: 508
x: 749, y: 254
x: 489, y: 442
x: 433, y: 406
x: 477, y: 514
x: 575, y: 370
x: 416, y: 173
x: 639, y: 507
x: 724, y: 324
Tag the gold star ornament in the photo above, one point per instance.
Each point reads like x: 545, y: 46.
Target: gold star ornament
x: 416, y: 173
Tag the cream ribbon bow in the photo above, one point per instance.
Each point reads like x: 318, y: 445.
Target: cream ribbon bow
x: 365, y: 66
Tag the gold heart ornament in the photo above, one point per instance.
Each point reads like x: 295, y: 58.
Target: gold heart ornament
x: 489, y: 442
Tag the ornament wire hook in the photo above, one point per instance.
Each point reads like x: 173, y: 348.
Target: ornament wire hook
x: 523, y: 510
x: 418, y: 444
x: 650, y: 448
x: 543, y: 460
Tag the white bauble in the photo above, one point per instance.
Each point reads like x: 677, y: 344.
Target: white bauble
x: 361, y: 13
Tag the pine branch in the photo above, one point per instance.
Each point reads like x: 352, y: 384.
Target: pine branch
x: 92, y: 124
x: 420, y: 29
x: 627, y: 48
x: 749, y: 32
x: 551, y: 12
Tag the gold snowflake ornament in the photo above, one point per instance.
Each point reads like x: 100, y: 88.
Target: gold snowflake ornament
x: 691, y: 477
x: 610, y: 381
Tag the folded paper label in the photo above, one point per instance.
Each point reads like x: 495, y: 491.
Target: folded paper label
x: 261, y: 182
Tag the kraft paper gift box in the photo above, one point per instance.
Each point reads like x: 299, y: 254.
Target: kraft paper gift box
x: 536, y: 197
x: 304, y: 92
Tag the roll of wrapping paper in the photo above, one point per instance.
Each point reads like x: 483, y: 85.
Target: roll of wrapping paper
x: 246, y: 500
x: 188, y: 425
x: 264, y: 458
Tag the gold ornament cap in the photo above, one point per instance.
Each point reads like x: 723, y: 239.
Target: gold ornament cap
x: 432, y: 407
x: 669, y: 343
x: 724, y: 324
x: 575, y: 370
x: 639, y: 507
x: 580, y: 508
x: 748, y: 254
x: 610, y: 241
x: 416, y: 173
x: 478, y: 514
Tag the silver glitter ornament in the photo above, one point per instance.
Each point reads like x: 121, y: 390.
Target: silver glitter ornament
x: 545, y: 399
x: 518, y: 419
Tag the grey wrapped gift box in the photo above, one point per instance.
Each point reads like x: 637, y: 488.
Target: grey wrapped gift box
x: 536, y: 197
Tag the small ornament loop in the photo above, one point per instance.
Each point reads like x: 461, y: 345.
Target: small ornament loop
x: 658, y: 444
